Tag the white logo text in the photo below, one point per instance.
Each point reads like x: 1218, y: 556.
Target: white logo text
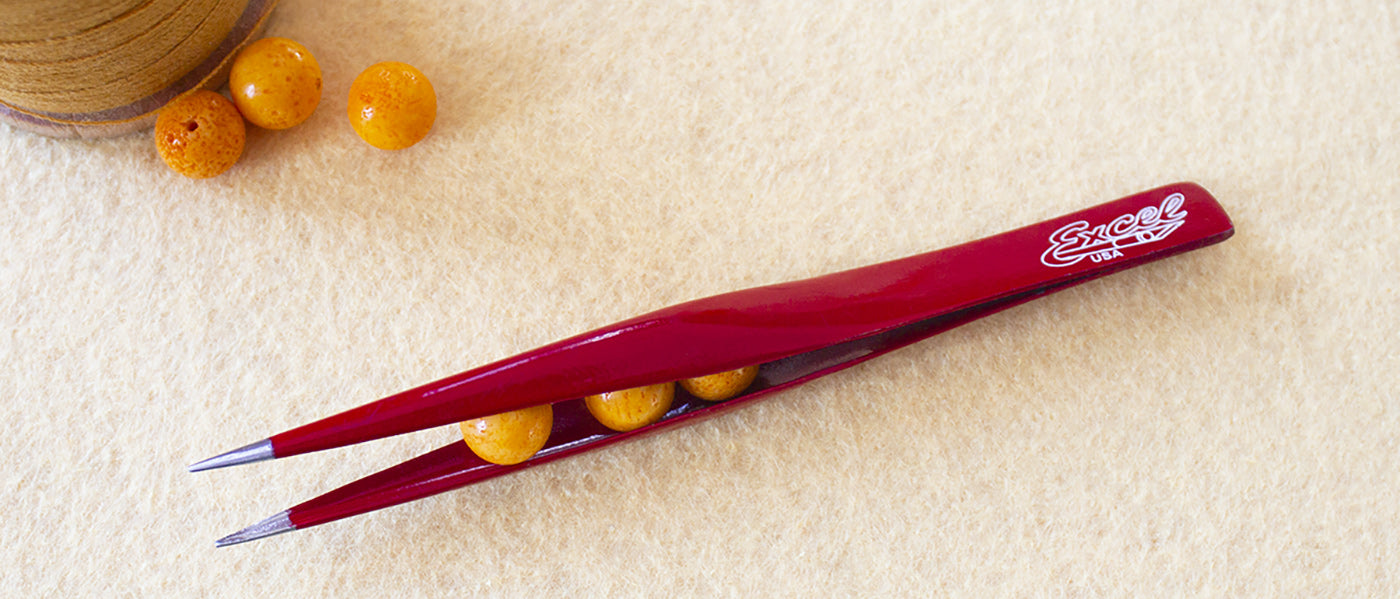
x: 1076, y: 241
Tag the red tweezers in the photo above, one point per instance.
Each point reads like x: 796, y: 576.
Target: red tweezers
x: 795, y: 331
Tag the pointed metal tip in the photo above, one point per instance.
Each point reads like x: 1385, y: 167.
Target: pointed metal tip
x: 274, y: 525
x: 256, y: 452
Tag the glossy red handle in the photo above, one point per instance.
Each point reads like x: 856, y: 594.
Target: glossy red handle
x: 576, y: 431
x: 766, y: 324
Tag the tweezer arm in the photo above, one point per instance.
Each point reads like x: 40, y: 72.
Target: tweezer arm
x: 766, y: 324
x: 455, y: 466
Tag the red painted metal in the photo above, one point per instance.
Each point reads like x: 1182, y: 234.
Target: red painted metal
x: 797, y: 331
x: 764, y: 324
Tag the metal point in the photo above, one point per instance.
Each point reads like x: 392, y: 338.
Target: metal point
x: 277, y: 524
x: 255, y: 452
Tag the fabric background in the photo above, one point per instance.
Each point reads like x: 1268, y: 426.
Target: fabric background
x: 1223, y: 423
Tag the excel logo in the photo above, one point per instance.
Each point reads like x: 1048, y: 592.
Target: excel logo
x: 1077, y: 241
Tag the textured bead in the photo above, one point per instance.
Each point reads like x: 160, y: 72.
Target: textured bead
x: 509, y: 438
x: 392, y: 105
x: 631, y: 408
x: 275, y: 82
x: 721, y: 386
x: 199, y: 134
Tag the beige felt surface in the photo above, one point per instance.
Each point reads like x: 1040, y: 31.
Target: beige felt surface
x: 1223, y: 423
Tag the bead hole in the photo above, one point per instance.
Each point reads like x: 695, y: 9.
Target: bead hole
x: 191, y: 125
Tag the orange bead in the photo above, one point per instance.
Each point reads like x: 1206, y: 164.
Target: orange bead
x: 199, y: 134
x: 721, y: 386
x: 631, y: 408
x: 392, y: 105
x: 509, y: 438
x: 275, y: 82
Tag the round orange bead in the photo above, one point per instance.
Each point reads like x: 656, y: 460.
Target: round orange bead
x: 392, y: 105
x: 721, y: 386
x: 275, y: 82
x: 631, y: 408
x: 509, y: 438
x: 199, y: 134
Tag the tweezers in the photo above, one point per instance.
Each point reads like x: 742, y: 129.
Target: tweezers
x: 795, y: 331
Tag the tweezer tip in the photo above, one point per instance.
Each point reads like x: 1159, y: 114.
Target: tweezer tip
x: 255, y: 452
x: 277, y: 524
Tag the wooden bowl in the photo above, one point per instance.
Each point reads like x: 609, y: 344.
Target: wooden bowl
x: 97, y: 68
